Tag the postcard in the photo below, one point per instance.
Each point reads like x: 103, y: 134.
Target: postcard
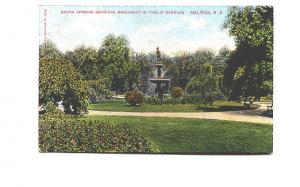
x: 156, y: 79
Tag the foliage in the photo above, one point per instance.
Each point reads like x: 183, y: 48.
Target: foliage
x: 191, y: 99
x: 97, y: 90
x: 205, y: 85
x: 146, y: 66
x: 62, y: 134
x: 172, y: 101
x: 202, y: 58
x: 49, y: 50
x: 85, y: 60
x: 111, y: 100
x: 248, y: 101
x: 59, y: 81
x: 51, y: 108
x: 176, y: 92
x: 253, y: 26
x: 152, y: 100
x: 134, y: 97
x: 120, y: 68
x: 187, y: 65
x: 249, y: 70
x: 166, y: 100
x: 170, y: 105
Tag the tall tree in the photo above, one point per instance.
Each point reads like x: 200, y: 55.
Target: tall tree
x: 145, y: 71
x: 205, y: 84
x: 250, y: 66
x: 85, y: 60
x: 120, y: 68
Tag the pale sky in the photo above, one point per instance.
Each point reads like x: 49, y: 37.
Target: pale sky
x: 171, y: 32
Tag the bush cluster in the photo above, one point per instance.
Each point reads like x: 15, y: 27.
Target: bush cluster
x: 166, y: 100
x: 152, y: 100
x: 186, y: 99
x: 68, y: 134
x: 248, y: 101
x: 191, y: 99
x: 111, y: 100
x: 176, y: 92
x: 172, y: 101
x: 134, y: 97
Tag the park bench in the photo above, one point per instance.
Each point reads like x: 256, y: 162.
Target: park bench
x: 270, y: 109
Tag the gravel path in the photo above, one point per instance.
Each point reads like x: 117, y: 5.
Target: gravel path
x: 231, y: 116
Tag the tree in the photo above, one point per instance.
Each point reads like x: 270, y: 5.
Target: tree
x: 178, y: 70
x: 133, y: 75
x: 201, y: 57
x: 145, y: 71
x: 120, y: 68
x: 85, y: 60
x: 49, y: 50
x: 59, y: 81
x: 186, y: 65
x: 220, y: 64
x: 205, y: 85
x: 220, y: 60
x: 249, y: 70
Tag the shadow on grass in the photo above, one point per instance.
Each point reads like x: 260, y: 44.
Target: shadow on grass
x: 216, y: 108
x: 267, y: 114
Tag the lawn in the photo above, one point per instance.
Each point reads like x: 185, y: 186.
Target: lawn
x: 178, y: 135
x: 122, y: 106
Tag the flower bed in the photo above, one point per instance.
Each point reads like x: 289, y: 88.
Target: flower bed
x: 67, y: 134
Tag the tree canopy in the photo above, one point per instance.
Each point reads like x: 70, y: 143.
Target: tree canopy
x: 85, y: 60
x: 249, y: 70
x: 206, y: 85
x: 117, y: 59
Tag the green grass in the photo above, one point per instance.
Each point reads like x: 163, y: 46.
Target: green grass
x: 122, y: 106
x: 266, y: 99
x: 178, y: 135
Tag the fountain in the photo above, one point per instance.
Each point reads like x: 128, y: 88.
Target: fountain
x: 159, y: 79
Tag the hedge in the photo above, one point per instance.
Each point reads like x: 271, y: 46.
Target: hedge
x: 68, y: 134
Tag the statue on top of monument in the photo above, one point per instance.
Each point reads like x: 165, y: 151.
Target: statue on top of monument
x: 158, y: 57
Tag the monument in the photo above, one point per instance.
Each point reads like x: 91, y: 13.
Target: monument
x: 159, y: 79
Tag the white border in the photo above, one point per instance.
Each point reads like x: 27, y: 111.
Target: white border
x: 22, y: 165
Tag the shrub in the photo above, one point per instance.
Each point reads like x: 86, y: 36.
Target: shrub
x: 111, y: 100
x: 248, y: 101
x: 60, y: 81
x: 97, y: 90
x: 166, y: 100
x: 152, y: 101
x: 134, y: 97
x: 176, y: 92
x: 51, y: 108
x: 191, y: 99
x: 172, y: 101
x: 206, y: 85
x: 68, y: 134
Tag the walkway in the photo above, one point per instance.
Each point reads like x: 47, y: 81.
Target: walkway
x: 230, y: 115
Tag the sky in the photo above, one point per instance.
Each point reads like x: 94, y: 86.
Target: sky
x: 186, y: 30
